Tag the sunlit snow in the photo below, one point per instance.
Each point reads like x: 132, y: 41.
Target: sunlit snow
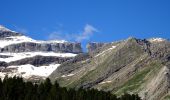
x: 28, y: 70
x: 19, y: 56
x: 105, y: 82
x: 20, y: 39
x: 67, y: 75
x: 156, y: 39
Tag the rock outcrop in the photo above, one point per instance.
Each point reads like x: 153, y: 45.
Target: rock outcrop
x: 4, y: 32
x: 39, y: 60
x: 91, y: 47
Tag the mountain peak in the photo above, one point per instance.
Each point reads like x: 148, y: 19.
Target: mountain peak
x: 5, y: 32
x: 4, y: 29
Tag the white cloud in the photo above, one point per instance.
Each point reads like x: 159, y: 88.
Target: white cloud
x: 87, y: 32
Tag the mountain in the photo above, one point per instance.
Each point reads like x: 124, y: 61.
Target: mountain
x: 139, y: 66
x: 133, y: 65
x: 23, y: 56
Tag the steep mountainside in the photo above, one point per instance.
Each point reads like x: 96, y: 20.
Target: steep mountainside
x: 132, y: 65
x: 23, y: 56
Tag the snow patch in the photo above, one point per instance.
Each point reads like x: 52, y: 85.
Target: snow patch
x: 20, y: 39
x: 28, y: 70
x: 105, y: 82
x: 156, y: 39
x: 67, y: 75
x: 19, y: 56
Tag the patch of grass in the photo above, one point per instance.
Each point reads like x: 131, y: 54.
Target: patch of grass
x: 167, y: 97
x: 138, y: 79
x: 134, y: 83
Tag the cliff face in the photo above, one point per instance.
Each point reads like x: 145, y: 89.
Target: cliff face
x: 43, y: 47
x: 91, y: 47
x: 8, y: 34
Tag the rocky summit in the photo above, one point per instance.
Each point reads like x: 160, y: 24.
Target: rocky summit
x: 134, y: 66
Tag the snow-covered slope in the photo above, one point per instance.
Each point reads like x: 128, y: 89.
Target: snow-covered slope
x: 20, y: 39
x: 157, y: 39
x: 28, y: 70
x: 19, y: 56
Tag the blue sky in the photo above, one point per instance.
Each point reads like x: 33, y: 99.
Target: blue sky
x: 87, y: 20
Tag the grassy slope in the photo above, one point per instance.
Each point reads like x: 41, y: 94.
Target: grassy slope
x: 108, y: 63
x: 139, y: 79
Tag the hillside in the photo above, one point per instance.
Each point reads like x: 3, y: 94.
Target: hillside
x: 132, y: 66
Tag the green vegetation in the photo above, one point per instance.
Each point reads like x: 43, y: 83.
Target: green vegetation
x: 167, y: 97
x: 139, y: 78
x: 103, y: 68
x: 134, y: 83
x: 16, y: 89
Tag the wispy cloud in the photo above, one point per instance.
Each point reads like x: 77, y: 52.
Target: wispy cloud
x: 87, y: 32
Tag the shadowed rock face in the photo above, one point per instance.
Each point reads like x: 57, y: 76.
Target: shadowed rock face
x: 93, y: 46
x: 32, y: 47
x: 40, y: 60
x: 4, y: 34
x: 3, y: 64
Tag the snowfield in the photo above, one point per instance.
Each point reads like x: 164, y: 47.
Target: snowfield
x: 156, y: 39
x: 20, y: 39
x: 28, y: 70
x: 19, y: 56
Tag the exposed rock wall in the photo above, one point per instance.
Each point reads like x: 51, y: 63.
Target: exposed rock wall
x: 32, y: 47
x: 93, y: 46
